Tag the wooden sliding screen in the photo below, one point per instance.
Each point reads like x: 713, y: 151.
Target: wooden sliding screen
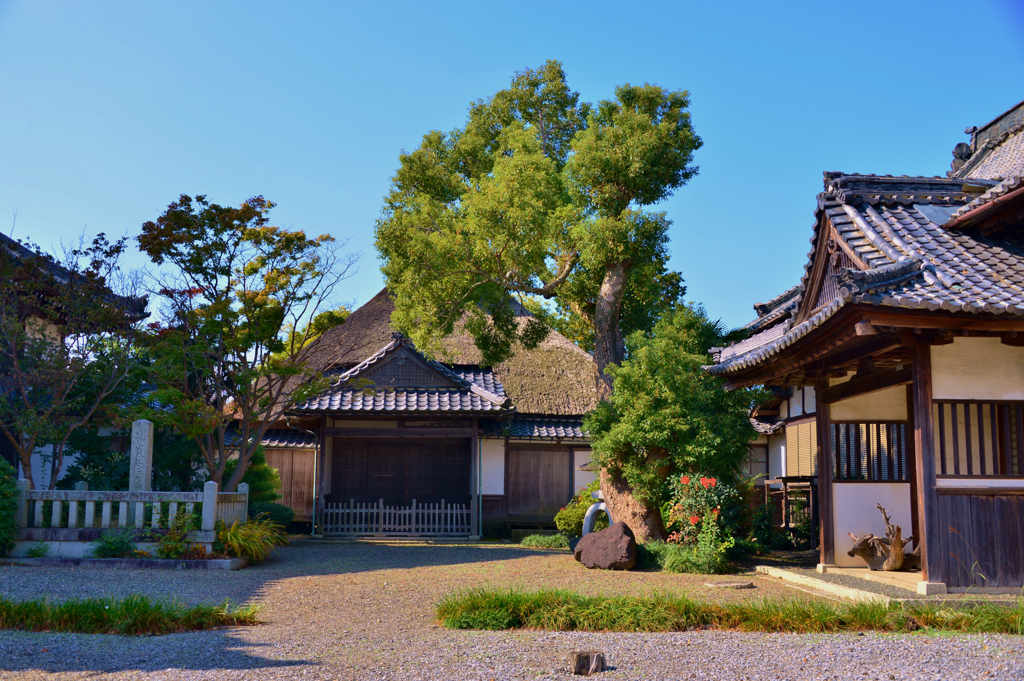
x: 870, y: 451
x: 976, y: 438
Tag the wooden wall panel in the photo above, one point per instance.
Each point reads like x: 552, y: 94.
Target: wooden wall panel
x: 295, y: 466
x: 981, y: 541
x: 538, y: 482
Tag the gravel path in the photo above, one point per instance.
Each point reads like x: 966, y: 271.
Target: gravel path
x: 365, y: 611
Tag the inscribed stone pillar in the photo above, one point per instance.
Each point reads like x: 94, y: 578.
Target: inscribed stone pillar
x: 140, y: 476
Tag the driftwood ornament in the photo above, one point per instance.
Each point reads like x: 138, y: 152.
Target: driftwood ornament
x: 885, y: 554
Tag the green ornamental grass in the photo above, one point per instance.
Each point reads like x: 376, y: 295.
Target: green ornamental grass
x: 133, y: 615
x: 568, y: 611
x: 545, y: 541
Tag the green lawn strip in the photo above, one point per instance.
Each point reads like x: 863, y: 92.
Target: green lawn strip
x: 569, y: 611
x: 133, y: 615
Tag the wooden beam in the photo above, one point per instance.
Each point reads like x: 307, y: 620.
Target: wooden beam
x: 826, y: 522
x: 938, y: 320
x: 399, y: 432
x: 880, y: 380
x: 924, y: 459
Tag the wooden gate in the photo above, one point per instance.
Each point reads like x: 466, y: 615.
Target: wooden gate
x: 538, y: 482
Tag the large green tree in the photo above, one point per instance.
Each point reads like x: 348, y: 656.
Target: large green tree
x: 539, y: 196
x: 667, y: 416
x: 232, y: 350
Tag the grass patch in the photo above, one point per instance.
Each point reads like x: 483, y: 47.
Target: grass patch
x: 569, y: 611
x: 545, y: 541
x: 134, y: 615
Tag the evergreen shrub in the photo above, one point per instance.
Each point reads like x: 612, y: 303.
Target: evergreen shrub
x: 8, y: 507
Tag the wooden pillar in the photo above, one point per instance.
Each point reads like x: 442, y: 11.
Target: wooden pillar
x: 826, y: 527
x: 474, y: 481
x: 924, y: 460
x: 911, y: 464
x: 318, y: 519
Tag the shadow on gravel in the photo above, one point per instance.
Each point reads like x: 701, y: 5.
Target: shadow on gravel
x: 105, y: 654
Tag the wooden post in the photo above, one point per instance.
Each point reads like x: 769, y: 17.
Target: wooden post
x: 924, y: 458
x: 911, y: 471
x: 474, y: 482
x: 826, y: 509
x: 209, y: 505
x: 318, y: 520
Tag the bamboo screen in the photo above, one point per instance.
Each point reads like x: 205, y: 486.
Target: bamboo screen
x: 802, y: 449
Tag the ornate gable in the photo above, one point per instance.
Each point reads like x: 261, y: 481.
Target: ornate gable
x: 404, y: 367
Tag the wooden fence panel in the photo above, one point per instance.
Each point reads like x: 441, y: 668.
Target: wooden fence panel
x: 379, y: 519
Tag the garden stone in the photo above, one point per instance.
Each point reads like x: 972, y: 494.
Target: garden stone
x: 573, y: 541
x: 613, y: 548
x: 736, y: 584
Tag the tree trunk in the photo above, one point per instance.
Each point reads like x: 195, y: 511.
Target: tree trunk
x: 609, y: 348
x: 608, y: 345
x: 26, y: 467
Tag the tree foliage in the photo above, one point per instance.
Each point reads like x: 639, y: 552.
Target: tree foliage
x: 68, y: 334
x: 240, y: 293
x: 667, y: 417
x: 539, y: 195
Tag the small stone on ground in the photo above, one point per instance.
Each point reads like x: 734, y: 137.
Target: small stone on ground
x: 733, y: 584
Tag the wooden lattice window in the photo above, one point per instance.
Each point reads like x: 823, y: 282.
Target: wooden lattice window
x: 978, y: 438
x: 872, y: 451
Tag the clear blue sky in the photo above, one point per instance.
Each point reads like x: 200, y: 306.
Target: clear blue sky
x: 110, y: 110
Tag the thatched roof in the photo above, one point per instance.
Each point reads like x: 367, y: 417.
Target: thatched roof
x: 557, y: 378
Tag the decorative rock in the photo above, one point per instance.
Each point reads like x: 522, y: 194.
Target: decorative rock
x: 572, y: 543
x: 613, y: 548
x: 730, y: 585
x: 586, y: 663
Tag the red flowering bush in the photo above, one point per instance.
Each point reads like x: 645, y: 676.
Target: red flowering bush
x: 695, y: 498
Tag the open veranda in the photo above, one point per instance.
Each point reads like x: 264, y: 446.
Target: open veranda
x: 370, y: 611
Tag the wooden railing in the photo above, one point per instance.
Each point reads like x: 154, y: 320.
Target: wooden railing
x: 441, y: 519
x: 84, y: 509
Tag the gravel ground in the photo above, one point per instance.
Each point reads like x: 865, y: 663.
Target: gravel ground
x: 365, y: 611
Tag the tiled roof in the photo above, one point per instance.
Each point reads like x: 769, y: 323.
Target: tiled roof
x: 473, y: 390
x: 279, y: 437
x: 767, y: 426
x: 913, y: 262
x: 775, y: 310
x: 996, y: 150
x: 996, y: 193
x: 544, y: 428
x: 539, y: 428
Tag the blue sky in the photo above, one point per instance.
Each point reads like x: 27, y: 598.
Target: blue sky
x: 111, y: 110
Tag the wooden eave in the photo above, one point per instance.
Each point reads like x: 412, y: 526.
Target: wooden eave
x: 882, y: 334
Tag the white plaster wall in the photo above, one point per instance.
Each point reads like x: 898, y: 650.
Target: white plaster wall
x: 1008, y: 483
x: 41, y: 465
x: 796, y: 407
x: 784, y: 410
x: 977, y: 369
x: 810, y: 400
x: 884, y: 405
x: 581, y: 478
x: 854, y: 505
x: 492, y: 466
x: 777, y: 455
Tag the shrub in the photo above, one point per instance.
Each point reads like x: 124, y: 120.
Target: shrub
x: 174, y: 543
x: 263, y: 480
x: 545, y: 541
x: 8, y: 507
x: 764, y: 532
x: 709, y: 555
x: 253, y: 539
x: 695, y: 498
x: 38, y: 550
x: 569, y: 520
x: 115, y: 544
x: 279, y: 514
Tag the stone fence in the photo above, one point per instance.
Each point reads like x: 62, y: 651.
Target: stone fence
x: 70, y: 519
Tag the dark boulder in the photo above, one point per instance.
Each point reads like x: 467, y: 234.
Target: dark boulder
x: 613, y: 548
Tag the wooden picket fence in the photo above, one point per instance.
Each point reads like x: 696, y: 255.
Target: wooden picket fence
x: 416, y: 520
